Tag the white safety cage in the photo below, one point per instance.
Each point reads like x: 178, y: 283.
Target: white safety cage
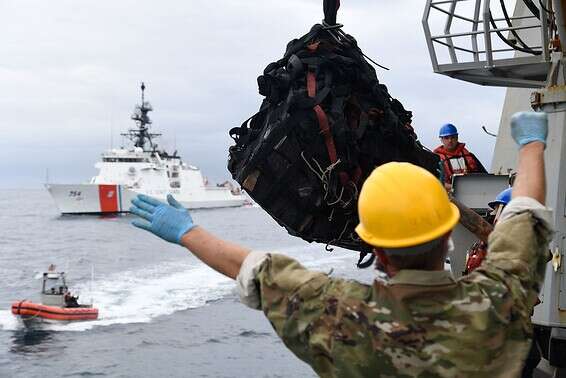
x: 480, y: 42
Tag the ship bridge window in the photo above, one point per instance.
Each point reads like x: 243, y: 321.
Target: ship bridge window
x: 54, y: 286
x: 123, y: 160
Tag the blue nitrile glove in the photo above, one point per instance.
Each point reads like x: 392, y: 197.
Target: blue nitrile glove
x: 169, y: 222
x: 527, y: 127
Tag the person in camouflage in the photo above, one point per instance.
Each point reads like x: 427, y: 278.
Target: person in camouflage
x: 421, y: 321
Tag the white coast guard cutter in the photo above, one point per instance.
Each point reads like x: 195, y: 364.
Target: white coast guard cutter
x: 125, y: 172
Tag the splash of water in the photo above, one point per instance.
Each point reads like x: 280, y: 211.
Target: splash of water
x: 142, y: 295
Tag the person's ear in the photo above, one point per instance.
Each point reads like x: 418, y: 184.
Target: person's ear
x: 382, y: 258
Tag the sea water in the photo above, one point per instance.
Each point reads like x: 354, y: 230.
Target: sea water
x: 162, y: 312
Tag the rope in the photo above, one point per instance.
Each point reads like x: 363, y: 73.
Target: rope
x: 20, y: 310
x: 338, y: 199
x: 328, y: 249
x: 324, y: 177
x: 322, y: 174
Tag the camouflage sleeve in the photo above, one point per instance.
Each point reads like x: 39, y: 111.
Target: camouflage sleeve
x: 517, y: 254
x: 292, y: 298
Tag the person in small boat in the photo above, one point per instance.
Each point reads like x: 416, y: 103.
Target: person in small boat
x: 71, y: 301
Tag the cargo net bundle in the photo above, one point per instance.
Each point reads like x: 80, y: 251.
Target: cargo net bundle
x: 325, y: 123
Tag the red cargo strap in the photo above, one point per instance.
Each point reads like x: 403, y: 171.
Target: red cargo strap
x: 357, y: 174
x: 313, y: 46
x: 311, y: 84
x: 324, y: 126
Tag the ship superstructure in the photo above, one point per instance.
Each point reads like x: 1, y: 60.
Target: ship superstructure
x: 526, y: 53
x: 142, y: 168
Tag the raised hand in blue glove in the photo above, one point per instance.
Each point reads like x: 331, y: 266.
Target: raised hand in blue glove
x: 169, y: 222
x: 527, y: 127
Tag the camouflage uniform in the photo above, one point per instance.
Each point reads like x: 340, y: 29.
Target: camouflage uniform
x: 418, y: 323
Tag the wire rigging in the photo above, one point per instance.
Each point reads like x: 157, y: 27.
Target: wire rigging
x: 509, y: 24
x: 545, y: 9
x: 533, y: 8
x: 524, y: 47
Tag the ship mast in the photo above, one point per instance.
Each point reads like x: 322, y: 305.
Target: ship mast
x: 141, y: 135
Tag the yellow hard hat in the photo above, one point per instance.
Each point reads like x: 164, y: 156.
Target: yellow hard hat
x: 403, y: 205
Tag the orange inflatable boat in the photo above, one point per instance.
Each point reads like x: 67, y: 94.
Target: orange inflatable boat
x: 57, y: 303
x: 28, y: 310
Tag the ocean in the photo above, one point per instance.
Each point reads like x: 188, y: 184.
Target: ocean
x: 162, y: 312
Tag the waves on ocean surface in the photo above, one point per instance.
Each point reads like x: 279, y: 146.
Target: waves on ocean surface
x: 162, y: 311
x: 138, y: 296
x: 141, y: 295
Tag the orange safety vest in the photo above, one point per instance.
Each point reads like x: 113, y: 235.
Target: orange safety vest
x: 459, y: 161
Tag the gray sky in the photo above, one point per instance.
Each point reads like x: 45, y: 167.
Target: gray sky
x: 70, y: 74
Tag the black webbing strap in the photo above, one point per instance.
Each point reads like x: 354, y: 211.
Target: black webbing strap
x: 330, y: 11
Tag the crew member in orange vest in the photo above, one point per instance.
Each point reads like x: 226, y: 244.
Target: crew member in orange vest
x: 456, y: 159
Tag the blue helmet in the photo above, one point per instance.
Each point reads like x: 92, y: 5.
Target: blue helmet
x: 502, y: 198
x: 448, y: 130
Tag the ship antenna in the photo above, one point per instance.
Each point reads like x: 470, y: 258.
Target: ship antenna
x: 141, y: 134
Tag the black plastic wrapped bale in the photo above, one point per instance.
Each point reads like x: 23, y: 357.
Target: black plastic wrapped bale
x: 325, y: 123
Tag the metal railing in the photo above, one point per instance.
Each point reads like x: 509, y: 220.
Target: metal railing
x: 470, y: 51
